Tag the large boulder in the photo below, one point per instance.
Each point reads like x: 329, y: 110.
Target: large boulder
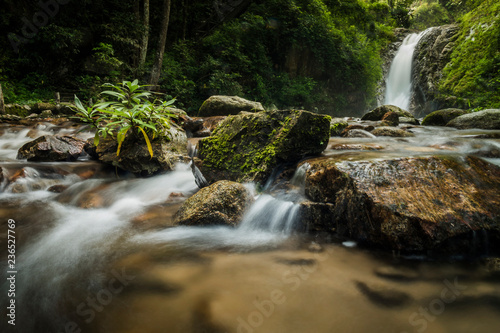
x: 168, y: 149
x: 486, y: 119
x: 52, y: 148
x: 379, y: 112
x: 248, y: 146
x: 409, y: 204
x: 442, y: 117
x: 219, y: 105
x: 222, y: 203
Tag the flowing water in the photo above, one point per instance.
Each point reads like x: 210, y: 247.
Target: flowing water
x: 96, y: 252
x: 398, y: 84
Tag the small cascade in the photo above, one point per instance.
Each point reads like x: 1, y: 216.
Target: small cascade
x: 271, y: 214
x: 398, y: 84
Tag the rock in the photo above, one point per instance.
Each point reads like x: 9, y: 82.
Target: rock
x: 248, y: 146
x: 52, y: 148
x: 378, y: 113
x: 383, y: 295
x: 222, y: 203
x: 41, y: 106
x: 367, y: 128
x: 431, y: 55
x: 486, y: 119
x: 57, y: 188
x: 355, y: 146
x: 168, y: 149
x: 391, y: 131
x: 397, y: 273
x: 158, y: 216
x: 317, y: 215
x: 358, y: 133
x: 190, y: 124
x: 337, y: 125
x: 408, y: 120
x: 442, y: 117
x: 218, y: 105
x: 17, y: 110
x: 46, y: 114
x: 390, y: 119
x: 409, y: 204
x: 208, y: 126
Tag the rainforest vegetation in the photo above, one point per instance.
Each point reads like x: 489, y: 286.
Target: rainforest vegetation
x: 322, y: 55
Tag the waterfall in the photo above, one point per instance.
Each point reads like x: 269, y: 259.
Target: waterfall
x: 398, y: 84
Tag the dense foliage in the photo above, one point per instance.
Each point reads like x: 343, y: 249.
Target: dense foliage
x: 318, y: 54
x: 473, y: 73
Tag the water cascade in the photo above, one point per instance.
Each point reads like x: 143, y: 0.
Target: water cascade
x: 398, y: 84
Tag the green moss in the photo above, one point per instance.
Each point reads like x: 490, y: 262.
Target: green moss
x: 473, y: 72
x: 253, y: 145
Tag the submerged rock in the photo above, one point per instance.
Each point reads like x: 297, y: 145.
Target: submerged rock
x: 442, y: 117
x: 391, y: 131
x: 222, y: 203
x: 168, y: 149
x: 486, y: 119
x: 412, y: 204
x: 248, y: 146
x: 218, y: 105
x: 52, y: 148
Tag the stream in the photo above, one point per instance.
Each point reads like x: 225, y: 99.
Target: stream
x: 96, y: 251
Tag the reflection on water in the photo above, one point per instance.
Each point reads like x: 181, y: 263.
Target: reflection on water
x: 84, y: 266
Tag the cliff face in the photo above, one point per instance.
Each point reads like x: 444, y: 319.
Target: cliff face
x: 431, y: 56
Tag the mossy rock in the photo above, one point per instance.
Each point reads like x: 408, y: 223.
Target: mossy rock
x: 248, y: 146
x: 337, y: 125
x: 442, y: 117
x: 17, y: 110
x: 379, y: 112
x: 222, y: 203
x: 486, y: 119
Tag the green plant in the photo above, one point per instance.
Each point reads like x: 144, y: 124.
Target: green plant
x: 126, y: 106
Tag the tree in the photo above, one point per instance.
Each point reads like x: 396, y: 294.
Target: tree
x: 145, y: 35
x: 157, y: 65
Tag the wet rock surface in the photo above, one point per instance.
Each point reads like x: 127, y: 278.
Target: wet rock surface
x: 248, y: 146
x: 412, y: 204
x: 222, y: 203
x: 219, y: 105
x: 52, y: 148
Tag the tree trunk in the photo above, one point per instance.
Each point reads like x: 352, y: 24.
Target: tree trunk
x: 157, y: 65
x: 145, y: 35
x: 2, y: 104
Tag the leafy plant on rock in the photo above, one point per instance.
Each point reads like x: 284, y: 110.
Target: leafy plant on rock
x: 126, y: 107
